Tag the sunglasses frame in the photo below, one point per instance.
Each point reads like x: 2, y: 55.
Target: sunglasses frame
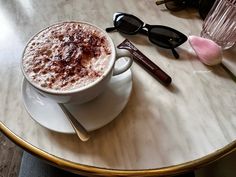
x: 188, y: 4
x: 178, y: 7
x: 147, y: 32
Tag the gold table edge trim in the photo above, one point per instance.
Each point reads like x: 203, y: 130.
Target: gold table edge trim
x: 97, y: 171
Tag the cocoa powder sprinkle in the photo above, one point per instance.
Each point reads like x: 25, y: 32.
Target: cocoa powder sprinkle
x: 63, y: 54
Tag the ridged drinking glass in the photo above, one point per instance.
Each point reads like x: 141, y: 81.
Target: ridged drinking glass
x: 220, y: 23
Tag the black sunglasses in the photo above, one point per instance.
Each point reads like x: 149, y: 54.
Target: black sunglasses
x: 162, y: 36
x: 176, y: 5
x: 203, y: 6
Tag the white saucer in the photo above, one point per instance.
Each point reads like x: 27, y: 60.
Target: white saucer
x: 92, y: 115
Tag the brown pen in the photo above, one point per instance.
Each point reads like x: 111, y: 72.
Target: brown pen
x: 146, y: 63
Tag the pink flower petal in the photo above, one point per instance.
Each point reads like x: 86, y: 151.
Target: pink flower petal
x: 207, y: 50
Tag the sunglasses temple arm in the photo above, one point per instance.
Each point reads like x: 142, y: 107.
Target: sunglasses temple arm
x: 110, y: 29
x: 159, y: 2
x: 176, y: 55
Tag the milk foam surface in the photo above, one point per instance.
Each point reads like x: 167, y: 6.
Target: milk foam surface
x: 67, y: 56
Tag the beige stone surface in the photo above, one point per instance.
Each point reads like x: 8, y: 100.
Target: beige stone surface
x: 160, y: 126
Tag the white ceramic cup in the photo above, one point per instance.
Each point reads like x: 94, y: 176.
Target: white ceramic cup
x: 92, y: 90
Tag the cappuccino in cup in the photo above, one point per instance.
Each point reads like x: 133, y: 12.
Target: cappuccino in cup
x: 71, y: 62
x: 66, y: 56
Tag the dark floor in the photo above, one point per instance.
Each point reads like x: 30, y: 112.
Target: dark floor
x: 11, y: 156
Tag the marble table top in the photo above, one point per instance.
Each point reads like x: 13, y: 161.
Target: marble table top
x: 160, y: 127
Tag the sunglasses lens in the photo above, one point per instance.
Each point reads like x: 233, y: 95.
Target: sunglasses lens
x: 166, y: 37
x: 127, y: 24
x: 176, y: 5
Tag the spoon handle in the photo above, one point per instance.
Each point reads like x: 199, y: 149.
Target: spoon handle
x: 79, y: 129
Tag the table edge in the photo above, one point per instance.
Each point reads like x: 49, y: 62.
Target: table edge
x: 98, y: 171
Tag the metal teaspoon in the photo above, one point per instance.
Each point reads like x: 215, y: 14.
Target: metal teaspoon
x: 81, y: 132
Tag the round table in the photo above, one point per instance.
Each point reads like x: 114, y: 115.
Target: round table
x: 161, y: 131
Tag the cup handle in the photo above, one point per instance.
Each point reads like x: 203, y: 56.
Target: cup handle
x: 122, y: 53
